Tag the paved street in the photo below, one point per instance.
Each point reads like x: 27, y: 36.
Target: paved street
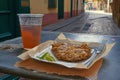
x: 88, y: 22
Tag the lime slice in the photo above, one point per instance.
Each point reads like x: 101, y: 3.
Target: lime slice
x: 47, y: 57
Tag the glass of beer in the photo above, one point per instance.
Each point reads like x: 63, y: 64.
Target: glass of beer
x: 30, y: 25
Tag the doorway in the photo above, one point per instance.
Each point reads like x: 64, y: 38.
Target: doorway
x: 60, y: 9
x: 7, y: 19
x: 9, y: 24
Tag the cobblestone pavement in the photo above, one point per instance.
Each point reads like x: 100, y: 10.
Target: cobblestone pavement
x: 100, y: 24
x: 90, y: 23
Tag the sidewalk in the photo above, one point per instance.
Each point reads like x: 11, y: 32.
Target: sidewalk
x: 64, y: 23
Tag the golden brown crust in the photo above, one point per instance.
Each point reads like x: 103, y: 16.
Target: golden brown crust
x: 69, y: 52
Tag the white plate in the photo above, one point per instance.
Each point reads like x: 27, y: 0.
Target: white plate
x: 63, y: 63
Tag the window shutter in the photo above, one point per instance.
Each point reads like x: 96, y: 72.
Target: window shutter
x: 51, y: 3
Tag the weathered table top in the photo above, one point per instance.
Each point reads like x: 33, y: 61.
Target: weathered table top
x: 110, y: 69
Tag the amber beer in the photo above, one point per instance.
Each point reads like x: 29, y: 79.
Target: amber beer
x: 30, y: 36
x: 30, y: 25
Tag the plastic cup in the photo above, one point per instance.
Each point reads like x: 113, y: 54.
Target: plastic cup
x: 30, y: 25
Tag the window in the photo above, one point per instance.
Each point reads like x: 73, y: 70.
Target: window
x: 51, y: 3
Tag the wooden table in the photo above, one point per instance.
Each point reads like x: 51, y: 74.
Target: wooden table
x: 110, y: 69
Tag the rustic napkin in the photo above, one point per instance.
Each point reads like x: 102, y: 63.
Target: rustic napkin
x: 88, y: 72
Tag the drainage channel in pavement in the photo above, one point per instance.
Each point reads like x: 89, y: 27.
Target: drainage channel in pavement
x: 86, y: 27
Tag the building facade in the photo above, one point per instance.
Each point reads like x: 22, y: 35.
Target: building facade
x: 103, y: 5
x: 116, y: 11
x: 55, y: 10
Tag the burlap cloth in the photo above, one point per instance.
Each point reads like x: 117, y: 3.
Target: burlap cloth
x: 90, y: 73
